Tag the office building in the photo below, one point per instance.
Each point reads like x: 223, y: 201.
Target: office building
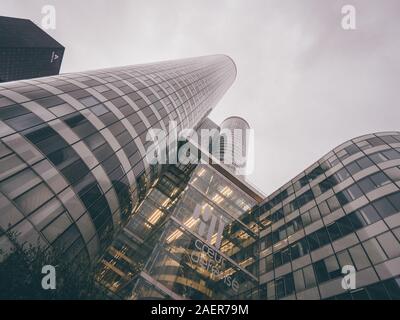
x: 193, y: 237
x: 344, y: 210
x: 74, y: 173
x: 73, y: 147
x: 26, y: 51
x: 234, y: 144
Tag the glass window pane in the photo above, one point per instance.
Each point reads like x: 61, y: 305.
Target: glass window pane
x: 360, y: 295
x: 314, y: 214
x: 356, y: 220
x: 57, y: 227
x: 333, y: 203
x: 384, y: 207
x: 366, y: 185
x: 47, y: 213
x: 374, y: 251
x: 359, y: 257
x: 19, y: 183
x: 345, y: 226
x: 377, y: 158
x: 306, y: 219
x: 309, y: 277
x: 342, y: 174
x: 354, y: 191
x: 271, y: 290
x: 377, y: 291
x: 389, y: 244
x: 323, y: 237
x: 391, y: 154
x: 333, y: 231
x: 395, y: 200
x: 344, y: 259
x: 89, y: 101
x: 289, y: 284
x: 379, y: 179
x: 324, y: 209
x: 364, y: 163
x: 269, y: 263
x: 393, y: 173
x: 332, y: 266
x: 321, y: 272
x: 34, y: 198
x: 313, y: 242
x: 393, y: 288
x: 369, y: 214
x: 299, y: 280
x: 280, y: 288
x: 353, y: 168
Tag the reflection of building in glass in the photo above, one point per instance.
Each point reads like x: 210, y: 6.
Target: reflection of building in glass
x: 26, y: 51
x: 192, y: 237
x: 73, y: 147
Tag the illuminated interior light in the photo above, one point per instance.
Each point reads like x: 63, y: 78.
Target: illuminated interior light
x: 246, y: 262
x: 243, y: 235
x: 226, y: 191
x: 174, y: 191
x: 266, y: 222
x: 228, y: 246
x: 214, y: 238
x: 201, y: 172
x: 217, y: 199
x: 177, y: 233
x: 226, y: 273
x: 152, y: 220
x: 191, y: 222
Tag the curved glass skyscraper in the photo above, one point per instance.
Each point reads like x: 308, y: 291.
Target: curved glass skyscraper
x: 73, y: 146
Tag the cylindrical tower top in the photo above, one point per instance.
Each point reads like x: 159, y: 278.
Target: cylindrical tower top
x: 234, y: 144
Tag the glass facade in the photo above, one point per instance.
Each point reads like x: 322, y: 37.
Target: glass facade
x: 73, y: 146
x: 191, y: 238
x: 203, y: 236
x: 343, y: 210
x: 74, y: 175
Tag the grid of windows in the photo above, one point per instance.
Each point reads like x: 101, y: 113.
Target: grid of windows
x: 79, y: 141
x: 346, y: 205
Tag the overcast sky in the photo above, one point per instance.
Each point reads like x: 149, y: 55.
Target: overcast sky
x: 304, y: 84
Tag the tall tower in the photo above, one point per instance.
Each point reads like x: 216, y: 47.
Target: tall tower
x: 73, y: 146
x: 26, y: 51
x: 234, y: 144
